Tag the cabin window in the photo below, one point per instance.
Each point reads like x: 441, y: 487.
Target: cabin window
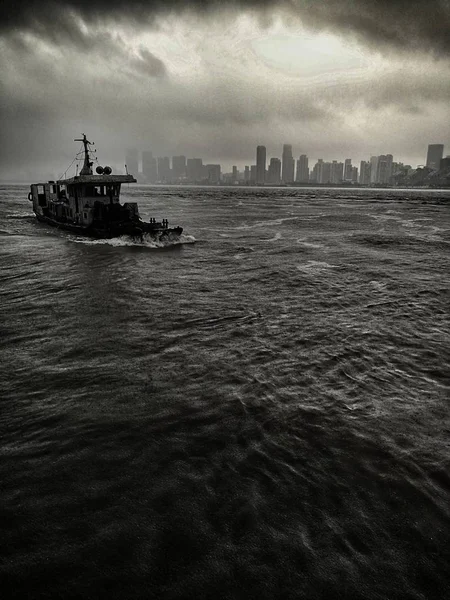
x: 85, y: 215
x: 113, y: 189
x: 91, y: 191
x: 53, y: 189
x: 41, y: 195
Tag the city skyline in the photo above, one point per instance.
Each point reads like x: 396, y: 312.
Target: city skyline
x: 437, y: 153
x: 379, y: 169
x: 345, y: 78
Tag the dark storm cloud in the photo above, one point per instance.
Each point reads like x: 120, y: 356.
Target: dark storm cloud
x: 207, y: 89
x: 108, y: 45
x: 402, y: 24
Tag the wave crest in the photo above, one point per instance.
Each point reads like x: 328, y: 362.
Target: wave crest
x: 148, y: 241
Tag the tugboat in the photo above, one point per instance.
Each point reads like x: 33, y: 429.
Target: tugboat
x: 88, y: 204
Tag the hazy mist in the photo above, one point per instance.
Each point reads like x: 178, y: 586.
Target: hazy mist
x: 336, y: 79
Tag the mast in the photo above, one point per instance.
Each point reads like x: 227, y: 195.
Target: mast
x: 87, y: 166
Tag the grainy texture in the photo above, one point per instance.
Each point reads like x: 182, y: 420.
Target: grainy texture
x: 262, y: 414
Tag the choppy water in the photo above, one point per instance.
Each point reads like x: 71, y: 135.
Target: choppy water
x: 261, y: 414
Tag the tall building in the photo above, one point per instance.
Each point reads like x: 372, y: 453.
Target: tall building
x: 252, y: 173
x: 178, y: 167
x: 246, y: 173
x: 317, y: 172
x: 132, y: 161
x: 336, y: 172
x: 389, y: 166
x: 302, y: 169
x: 434, y: 155
x: 444, y: 163
x: 373, y: 169
x: 354, y: 174
x: 149, y: 167
x: 364, y: 173
x: 326, y: 173
x: 194, y: 168
x: 213, y: 172
x: 164, y: 173
x: 382, y: 174
x: 274, y: 171
x: 260, y: 164
x: 235, y: 174
x: 348, y: 169
x: 287, y: 169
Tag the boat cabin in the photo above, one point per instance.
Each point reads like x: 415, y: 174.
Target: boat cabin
x: 83, y: 200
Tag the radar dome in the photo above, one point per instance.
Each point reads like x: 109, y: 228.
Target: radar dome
x: 99, y: 170
x: 107, y: 170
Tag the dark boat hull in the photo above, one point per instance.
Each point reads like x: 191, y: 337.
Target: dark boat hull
x: 114, y: 230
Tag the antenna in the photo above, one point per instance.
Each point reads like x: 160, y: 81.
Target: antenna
x: 87, y: 166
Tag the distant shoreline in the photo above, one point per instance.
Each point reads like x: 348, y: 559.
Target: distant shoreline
x: 266, y: 186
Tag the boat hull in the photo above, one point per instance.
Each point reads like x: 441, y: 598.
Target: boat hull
x: 114, y: 230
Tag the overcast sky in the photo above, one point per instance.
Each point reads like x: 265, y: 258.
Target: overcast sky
x: 335, y: 79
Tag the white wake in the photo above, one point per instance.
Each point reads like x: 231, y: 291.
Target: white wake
x: 148, y: 241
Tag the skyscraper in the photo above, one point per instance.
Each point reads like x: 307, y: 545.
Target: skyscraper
x: 348, y: 169
x: 302, y: 169
x: 444, y: 163
x: 382, y: 176
x: 317, y: 172
x: 389, y: 167
x: 260, y: 164
x: 364, y: 173
x: 149, y: 167
x: 246, y: 173
x: 274, y: 171
x: 336, y: 172
x: 213, y: 173
x: 373, y: 169
x: 252, y: 173
x: 164, y: 173
x: 326, y: 173
x: 434, y: 155
x: 178, y: 167
x: 194, y: 167
x: 287, y: 169
x: 354, y: 174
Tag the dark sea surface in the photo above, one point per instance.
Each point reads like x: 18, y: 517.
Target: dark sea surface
x: 263, y: 413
